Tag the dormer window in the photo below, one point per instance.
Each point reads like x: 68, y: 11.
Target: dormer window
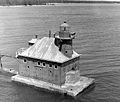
x: 25, y: 61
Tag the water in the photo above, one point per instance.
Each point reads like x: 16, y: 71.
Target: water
x: 97, y: 39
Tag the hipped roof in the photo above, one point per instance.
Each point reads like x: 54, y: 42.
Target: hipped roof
x: 45, y: 49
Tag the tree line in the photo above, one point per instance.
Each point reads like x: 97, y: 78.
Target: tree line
x: 43, y: 2
x: 27, y: 2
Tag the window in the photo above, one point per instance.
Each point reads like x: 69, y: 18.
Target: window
x: 56, y: 67
x: 38, y: 63
x: 43, y: 64
x: 73, y: 68
x: 64, y: 28
x: 24, y: 60
x: 50, y: 65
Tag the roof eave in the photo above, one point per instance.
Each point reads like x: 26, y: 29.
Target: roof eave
x: 49, y: 60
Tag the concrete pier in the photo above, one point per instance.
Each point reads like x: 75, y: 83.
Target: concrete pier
x: 70, y: 87
x: 51, y: 63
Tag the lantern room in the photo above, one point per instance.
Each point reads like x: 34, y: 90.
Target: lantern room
x: 64, y: 27
x: 64, y: 30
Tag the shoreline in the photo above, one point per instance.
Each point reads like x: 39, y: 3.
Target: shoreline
x: 59, y: 4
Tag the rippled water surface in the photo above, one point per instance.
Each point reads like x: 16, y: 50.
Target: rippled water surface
x: 98, y: 40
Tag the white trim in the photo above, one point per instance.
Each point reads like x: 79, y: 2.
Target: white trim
x: 43, y: 64
x: 25, y: 60
x: 39, y: 63
x: 55, y: 66
x: 50, y: 66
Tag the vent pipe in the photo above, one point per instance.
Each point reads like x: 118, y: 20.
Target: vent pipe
x: 36, y: 36
x: 49, y: 33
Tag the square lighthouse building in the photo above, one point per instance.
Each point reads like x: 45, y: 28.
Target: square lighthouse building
x: 50, y: 59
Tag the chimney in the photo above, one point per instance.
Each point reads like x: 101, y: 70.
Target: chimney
x: 36, y: 36
x: 49, y: 33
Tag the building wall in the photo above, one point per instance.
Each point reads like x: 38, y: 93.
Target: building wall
x: 33, y: 69
x: 68, y: 66
x: 30, y: 68
x: 63, y: 75
x: 72, y: 66
x: 67, y: 50
x: 22, y: 68
x: 57, y: 76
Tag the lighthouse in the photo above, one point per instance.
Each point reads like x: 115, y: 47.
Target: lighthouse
x: 63, y: 39
x: 52, y: 63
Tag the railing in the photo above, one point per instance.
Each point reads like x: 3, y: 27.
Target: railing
x: 19, y: 51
